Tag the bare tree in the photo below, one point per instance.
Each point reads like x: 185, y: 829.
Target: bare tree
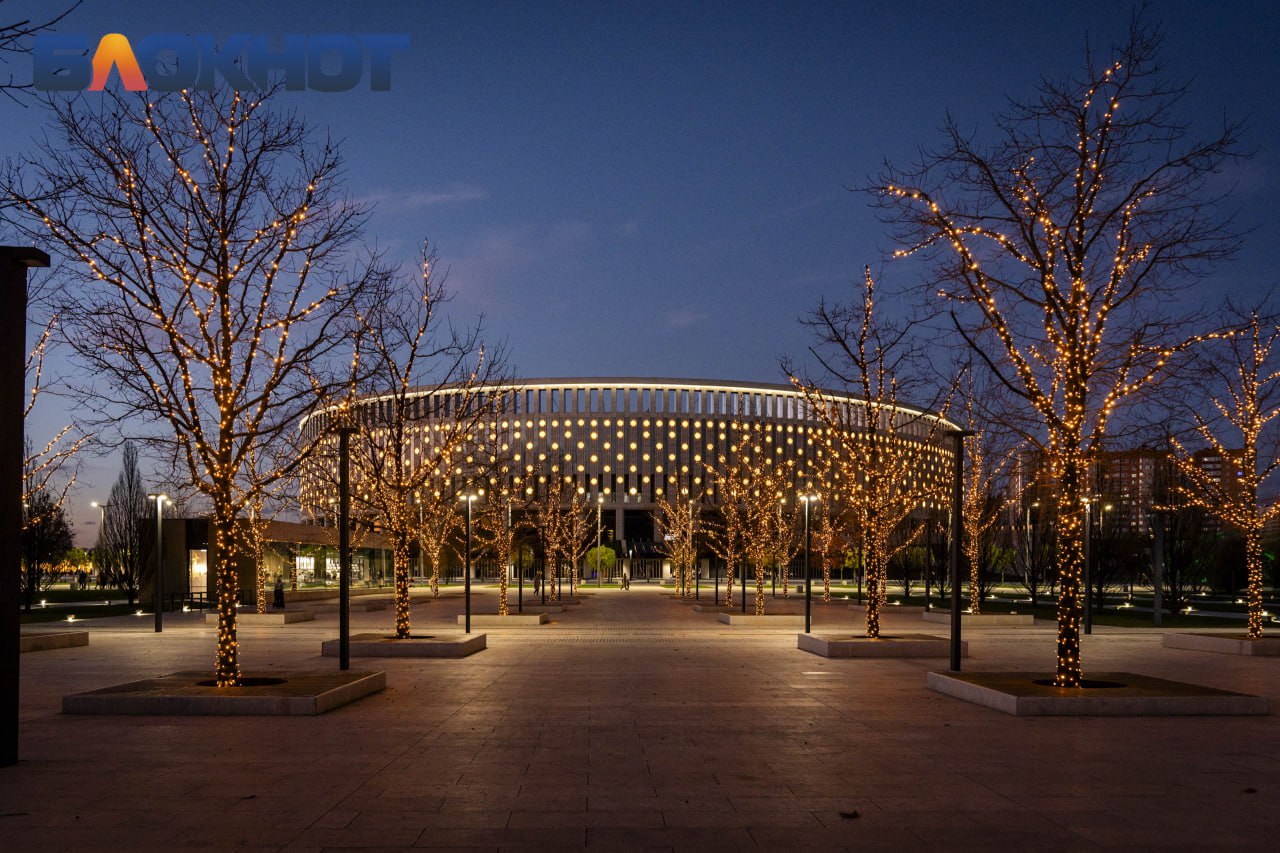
x: 15, y: 41
x: 46, y: 540
x: 1061, y: 247
x: 1249, y: 409
x: 771, y: 481
x: 411, y: 358
x: 125, y: 537
x: 215, y: 246
x: 49, y: 470
x: 731, y: 479
x: 880, y: 477
x: 497, y: 533
x: 675, y: 527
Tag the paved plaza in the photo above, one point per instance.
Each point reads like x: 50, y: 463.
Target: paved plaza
x: 632, y: 722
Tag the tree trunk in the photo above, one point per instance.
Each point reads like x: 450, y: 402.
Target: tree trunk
x: 401, y: 568
x: 227, y: 660
x: 759, y: 588
x: 1253, y: 568
x: 1072, y: 488
x: 875, y: 589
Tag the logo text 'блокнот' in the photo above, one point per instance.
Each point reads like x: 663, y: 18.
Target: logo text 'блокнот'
x: 170, y: 62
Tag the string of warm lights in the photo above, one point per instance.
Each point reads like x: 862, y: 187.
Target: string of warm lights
x: 208, y: 311
x: 879, y: 470
x: 1250, y: 403
x: 1055, y: 240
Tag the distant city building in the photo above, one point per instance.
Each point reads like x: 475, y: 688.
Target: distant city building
x: 1129, y: 484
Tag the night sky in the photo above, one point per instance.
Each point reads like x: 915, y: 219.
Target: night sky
x: 662, y: 189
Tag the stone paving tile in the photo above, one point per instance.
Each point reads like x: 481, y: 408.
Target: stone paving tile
x: 633, y: 711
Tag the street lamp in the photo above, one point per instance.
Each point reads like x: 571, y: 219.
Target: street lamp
x: 693, y: 554
x: 808, y: 579
x: 957, y: 436
x: 159, y: 582
x: 466, y: 578
x: 599, y: 510
x: 102, y: 523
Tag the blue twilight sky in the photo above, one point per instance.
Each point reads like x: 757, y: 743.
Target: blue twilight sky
x: 660, y: 188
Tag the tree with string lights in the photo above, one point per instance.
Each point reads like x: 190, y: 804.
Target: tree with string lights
x: 675, y: 526
x: 497, y: 531
x: 980, y: 502
x: 1061, y: 247
x: 727, y: 534
x: 878, y: 447
x: 770, y: 482
x: 1248, y: 378
x: 216, y: 248
x: 411, y: 357
x: 438, y: 522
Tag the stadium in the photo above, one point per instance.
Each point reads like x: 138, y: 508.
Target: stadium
x: 619, y: 444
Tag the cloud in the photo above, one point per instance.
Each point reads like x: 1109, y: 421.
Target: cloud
x: 403, y: 201
x: 495, y: 269
x: 682, y: 318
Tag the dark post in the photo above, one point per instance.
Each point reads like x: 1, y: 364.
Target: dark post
x: 466, y: 577
x: 1088, y: 561
x: 14, y: 263
x: 693, y: 546
x: 715, y: 569
x: 1157, y: 568
x: 344, y: 546
x: 957, y: 527
x: 520, y: 582
x: 742, y: 570
x: 928, y: 559
x: 158, y: 589
x: 808, y: 579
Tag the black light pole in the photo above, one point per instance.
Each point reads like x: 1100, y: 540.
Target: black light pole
x: 808, y: 579
x: 928, y: 559
x: 14, y: 263
x: 1088, y: 560
x: 520, y: 582
x: 466, y: 578
x: 715, y: 570
x: 102, y: 522
x: 697, y: 572
x: 344, y: 546
x: 742, y: 570
x: 599, y: 510
x: 158, y: 590
x: 957, y: 498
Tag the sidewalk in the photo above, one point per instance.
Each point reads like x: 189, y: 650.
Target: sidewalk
x: 632, y: 722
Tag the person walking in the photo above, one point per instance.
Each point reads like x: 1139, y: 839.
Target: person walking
x: 278, y: 599
x: 626, y: 576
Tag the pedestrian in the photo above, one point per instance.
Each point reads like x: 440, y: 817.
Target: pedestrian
x: 626, y: 576
x: 278, y: 599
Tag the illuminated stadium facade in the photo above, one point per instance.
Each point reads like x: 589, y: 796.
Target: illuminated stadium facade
x: 626, y: 441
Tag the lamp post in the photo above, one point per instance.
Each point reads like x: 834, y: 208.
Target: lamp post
x: 158, y: 589
x: 102, y: 523
x: 957, y: 529
x: 345, y: 431
x: 1088, y: 562
x: 599, y: 510
x: 466, y: 577
x: 808, y: 579
x: 693, y: 554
